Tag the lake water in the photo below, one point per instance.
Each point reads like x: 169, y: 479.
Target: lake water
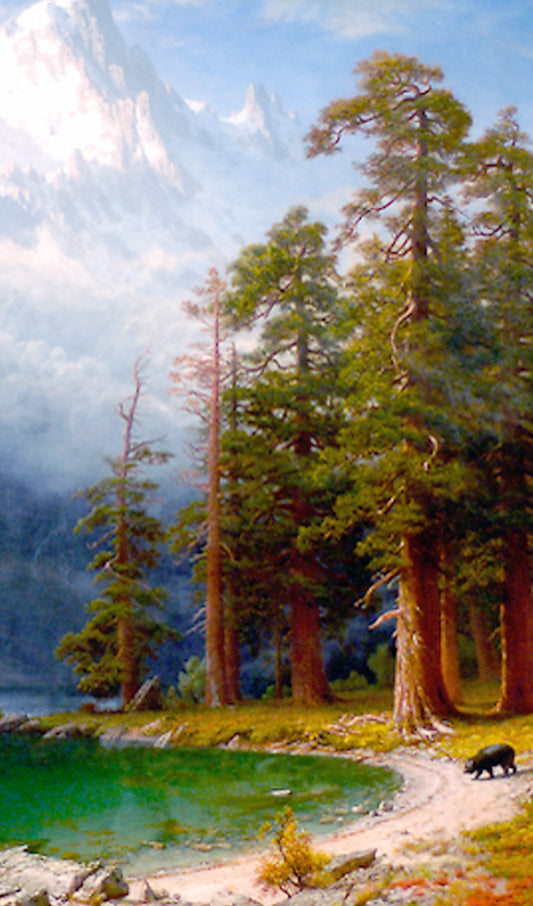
x: 157, y: 809
x: 37, y: 704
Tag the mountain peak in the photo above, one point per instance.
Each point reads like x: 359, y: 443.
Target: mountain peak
x: 264, y: 117
x: 72, y: 84
x: 115, y: 198
x: 85, y: 25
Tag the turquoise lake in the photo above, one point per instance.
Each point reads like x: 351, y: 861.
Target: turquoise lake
x: 160, y: 808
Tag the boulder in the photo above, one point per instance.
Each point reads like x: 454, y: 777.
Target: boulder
x: 315, y: 896
x: 104, y: 884
x: 66, y: 731
x: 28, y: 879
x: 227, y: 898
x: 343, y: 865
x: 149, y: 697
x: 31, y: 727
x: 29, y: 875
x: 10, y: 723
x: 40, y: 898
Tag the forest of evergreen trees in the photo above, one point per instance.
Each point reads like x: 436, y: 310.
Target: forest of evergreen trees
x: 368, y: 428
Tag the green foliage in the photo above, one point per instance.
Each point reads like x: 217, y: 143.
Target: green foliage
x: 128, y: 547
x: 467, y: 657
x: 191, y: 681
x: 93, y: 653
x: 292, y: 864
x: 270, y: 693
x: 282, y: 410
x: 354, y: 682
x: 382, y: 662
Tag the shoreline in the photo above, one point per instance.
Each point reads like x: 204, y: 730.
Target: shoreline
x: 435, y: 803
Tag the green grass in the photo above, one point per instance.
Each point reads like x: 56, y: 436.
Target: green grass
x: 348, y: 723
x: 358, y: 720
x: 478, y: 726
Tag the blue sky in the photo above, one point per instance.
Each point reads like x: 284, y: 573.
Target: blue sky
x: 305, y: 50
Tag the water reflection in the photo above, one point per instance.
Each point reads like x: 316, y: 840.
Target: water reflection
x: 160, y: 808
x: 38, y: 704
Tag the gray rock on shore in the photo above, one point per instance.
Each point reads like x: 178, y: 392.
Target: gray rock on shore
x: 11, y: 723
x: 28, y: 879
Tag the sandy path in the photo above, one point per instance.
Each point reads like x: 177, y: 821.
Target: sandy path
x: 437, y: 801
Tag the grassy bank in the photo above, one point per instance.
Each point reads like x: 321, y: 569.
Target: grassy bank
x: 359, y: 720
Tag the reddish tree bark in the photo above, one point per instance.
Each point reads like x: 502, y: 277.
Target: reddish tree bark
x: 231, y: 650
x: 216, y: 689
x: 516, y: 695
x: 420, y: 691
x: 308, y: 674
x: 517, y: 607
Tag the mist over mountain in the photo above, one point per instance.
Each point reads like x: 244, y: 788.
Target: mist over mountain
x: 116, y: 196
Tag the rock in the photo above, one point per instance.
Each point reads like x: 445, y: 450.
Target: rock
x: 28, y: 879
x: 147, y: 735
x: 152, y: 896
x: 111, y: 737
x: 106, y: 883
x: 31, y: 874
x: 66, y: 731
x: 31, y: 727
x: 10, y: 723
x: 315, y: 896
x: 227, y: 898
x: 40, y: 898
x: 340, y: 866
x: 149, y: 697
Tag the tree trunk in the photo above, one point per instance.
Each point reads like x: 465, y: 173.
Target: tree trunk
x: 449, y: 628
x: 231, y: 651
x: 410, y: 713
x: 127, y: 657
x: 517, y: 627
x: 517, y: 607
x: 278, y: 649
x: 420, y: 692
x: 488, y: 664
x: 126, y: 649
x: 308, y: 673
x: 215, y: 692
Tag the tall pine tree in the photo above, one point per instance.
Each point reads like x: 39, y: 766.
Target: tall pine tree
x: 287, y: 290
x: 418, y: 130
x: 110, y: 653
x: 501, y: 174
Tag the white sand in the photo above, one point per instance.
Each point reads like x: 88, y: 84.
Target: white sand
x: 437, y: 802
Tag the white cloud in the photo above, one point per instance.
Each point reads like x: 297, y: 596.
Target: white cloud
x: 349, y: 18
x: 144, y: 10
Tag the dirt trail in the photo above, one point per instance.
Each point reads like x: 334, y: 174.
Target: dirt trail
x: 437, y: 801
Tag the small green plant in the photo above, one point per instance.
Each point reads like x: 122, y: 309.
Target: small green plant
x: 353, y: 683
x: 382, y: 662
x: 292, y: 864
x: 191, y: 682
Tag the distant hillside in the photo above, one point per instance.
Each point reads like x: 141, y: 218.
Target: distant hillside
x: 44, y: 586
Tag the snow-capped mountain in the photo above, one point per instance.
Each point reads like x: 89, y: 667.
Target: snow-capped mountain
x: 116, y: 195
